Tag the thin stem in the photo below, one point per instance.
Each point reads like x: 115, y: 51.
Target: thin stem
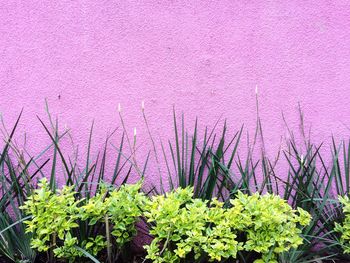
x: 154, y: 148
x: 132, y: 149
x: 109, y: 245
x: 166, y: 243
x: 53, y: 244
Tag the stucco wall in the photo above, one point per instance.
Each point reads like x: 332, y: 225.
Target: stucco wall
x: 206, y: 57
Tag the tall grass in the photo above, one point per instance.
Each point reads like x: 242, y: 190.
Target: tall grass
x: 15, y: 185
x: 201, y: 160
x: 333, y: 213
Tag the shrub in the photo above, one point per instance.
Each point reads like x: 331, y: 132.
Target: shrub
x: 270, y: 226
x: 55, y: 215
x: 53, y: 218
x: 192, y: 229
x: 188, y: 229
x: 344, y: 228
x: 118, y: 209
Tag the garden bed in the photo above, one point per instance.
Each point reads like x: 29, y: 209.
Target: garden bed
x: 214, y: 208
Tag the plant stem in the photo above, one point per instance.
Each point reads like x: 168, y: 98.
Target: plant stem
x: 166, y: 243
x: 109, y: 250
x: 53, y: 244
x: 154, y: 149
x: 132, y: 148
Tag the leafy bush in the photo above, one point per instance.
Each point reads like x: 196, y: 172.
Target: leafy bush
x: 269, y: 224
x: 55, y: 215
x: 344, y: 228
x: 122, y: 209
x: 186, y: 228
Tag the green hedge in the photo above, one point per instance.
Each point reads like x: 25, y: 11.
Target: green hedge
x: 183, y: 227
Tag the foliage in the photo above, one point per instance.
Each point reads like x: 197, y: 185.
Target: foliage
x: 335, y: 213
x: 125, y: 207
x: 203, y: 228
x: 308, y: 185
x: 53, y: 216
x: 269, y: 224
x: 18, y: 169
x: 121, y: 208
x: 86, y: 181
x: 201, y: 160
x: 16, y: 185
x: 187, y: 228
x: 344, y: 228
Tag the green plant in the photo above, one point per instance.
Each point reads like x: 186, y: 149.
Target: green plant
x: 119, y: 210
x: 186, y: 228
x: 199, y: 160
x: 308, y: 185
x: 344, y: 227
x: 269, y: 226
x: 53, y: 216
x: 211, y: 166
x: 85, y: 179
x: 334, y: 215
x: 15, y: 185
x: 18, y: 169
x: 125, y: 207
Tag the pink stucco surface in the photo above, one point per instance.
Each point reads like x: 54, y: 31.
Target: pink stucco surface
x: 204, y: 57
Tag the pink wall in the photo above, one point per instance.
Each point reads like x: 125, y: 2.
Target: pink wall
x: 203, y: 56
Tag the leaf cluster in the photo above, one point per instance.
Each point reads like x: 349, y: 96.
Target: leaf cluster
x: 54, y: 216
x: 189, y: 228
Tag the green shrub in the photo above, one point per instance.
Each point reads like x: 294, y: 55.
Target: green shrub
x: 118, y: 209
x: 269, y: 224
x: 190, y: 229
x: 124, y: 210
x: 344, y: 228
x: 53, y: 216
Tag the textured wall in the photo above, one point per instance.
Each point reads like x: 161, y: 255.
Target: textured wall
x: 206, y: 57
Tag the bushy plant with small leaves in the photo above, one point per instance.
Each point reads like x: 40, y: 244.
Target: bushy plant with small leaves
x: 119, y: 209
x: 269, y: 225
x: 93, y: 211
x: 53, y: 216
x: 124, y: 210
x: 344, y: 227
x: 194, y: 230
x: 187, y: 228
